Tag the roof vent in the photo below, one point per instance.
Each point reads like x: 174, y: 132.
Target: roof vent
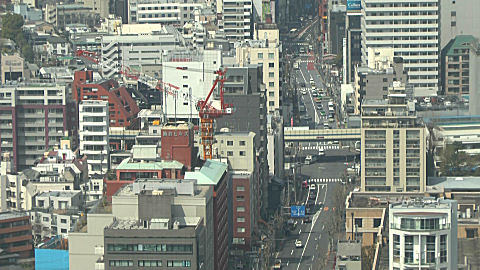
x: 458, y: 178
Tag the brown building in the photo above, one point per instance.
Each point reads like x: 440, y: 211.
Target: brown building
x: 177, y: 144
x: 456, y: 66
x: 16, y: 234
x: 123, y: 108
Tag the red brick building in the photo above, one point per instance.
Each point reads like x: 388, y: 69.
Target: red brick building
x: 177, y: 144
x: 215, y: 173
x: 123, y: 109
x: 244, y: 207
x: 16, y: 234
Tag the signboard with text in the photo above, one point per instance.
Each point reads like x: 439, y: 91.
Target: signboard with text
x: 353, y: 5
x: 297, y: 211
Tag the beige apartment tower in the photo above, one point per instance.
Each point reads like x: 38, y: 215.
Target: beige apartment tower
x: 393, y: 142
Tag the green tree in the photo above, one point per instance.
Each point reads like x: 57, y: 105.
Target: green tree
x: 368, y: 253
x: 11, y: 26
x: 452, y: 159
x: 12, y: 29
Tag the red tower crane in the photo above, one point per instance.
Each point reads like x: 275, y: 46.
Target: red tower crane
x: 208, y: 113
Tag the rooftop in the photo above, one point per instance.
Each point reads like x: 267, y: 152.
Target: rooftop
x: 210, y: 174
x: 422, y: 204
x: 349, y: 248
x: 460, y: 43
x: 132, y: 224
x: 12, y: 214
x: 69, y: 194
x: 126, y: 164
x: 379, y: 199
x: 454, y: 183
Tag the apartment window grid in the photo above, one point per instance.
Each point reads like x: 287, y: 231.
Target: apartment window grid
x: 405, y: 17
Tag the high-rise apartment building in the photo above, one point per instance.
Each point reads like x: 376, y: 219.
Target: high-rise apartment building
x: 353, y: 35
x: 412, y: 29
x: 237, y: 19
x: 423, y: 234
x: 33, y: 118
x: 175, y: 13
x: 266, y: 51
x: 393, y: 151
x: 456, y: 66
x: 93, y: 121
x: 138, y: 48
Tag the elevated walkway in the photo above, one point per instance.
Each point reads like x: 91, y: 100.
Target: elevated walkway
x: 347, y: 134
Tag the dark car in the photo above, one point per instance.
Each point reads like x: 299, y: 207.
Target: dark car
x: 307, y: 219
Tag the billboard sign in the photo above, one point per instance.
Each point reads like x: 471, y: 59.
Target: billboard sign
x: 354, y: 5
x: 297, y: 211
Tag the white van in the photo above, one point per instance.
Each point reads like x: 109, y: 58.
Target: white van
x: 308, y: 160
x: 321, y: 152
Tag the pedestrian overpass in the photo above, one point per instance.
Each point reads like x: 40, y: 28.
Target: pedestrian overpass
x: 345, y: 134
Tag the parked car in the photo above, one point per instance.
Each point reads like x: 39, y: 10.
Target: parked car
x: 298, y: 243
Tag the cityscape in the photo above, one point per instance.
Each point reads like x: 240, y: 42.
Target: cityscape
x: 239, y: 134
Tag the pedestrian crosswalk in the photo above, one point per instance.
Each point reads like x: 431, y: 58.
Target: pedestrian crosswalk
x: 324, y: 147
x: 324, y: 180
x: 307, y: 61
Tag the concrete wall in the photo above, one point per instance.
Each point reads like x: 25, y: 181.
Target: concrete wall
x: 463, y: 14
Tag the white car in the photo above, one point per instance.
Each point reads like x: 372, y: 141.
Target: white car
x: 304, y: 92
x: 298, y: 243
x: 313, y: 186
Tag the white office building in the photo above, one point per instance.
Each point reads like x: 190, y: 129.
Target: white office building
x: 171, y: 12
x: 411, y: 27
x: 139, y: 48
x: 237, y: 19
x: 93, y: 132
x: 423, y: 234
x: 194, y: 73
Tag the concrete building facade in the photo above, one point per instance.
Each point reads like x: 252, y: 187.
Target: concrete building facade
x: 457, y: 18
x: 423, y: 233
x: 163, y: 11
x: 412, y: 29
x: 237, y: 19
x: 266, y: 52
x: 474, y: 78
x: 33, y: 118
x: 393, y: 144
x: 16, y: 234
x: 13, y: 68
x: 93, y: 116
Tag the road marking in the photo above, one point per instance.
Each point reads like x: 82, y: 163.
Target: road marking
x: 288, y: 262
x: 300, y: 231
x: 313, y: 258
x: 316, y: 246
x: 314, y: 221
x: 323, y: 227
x: 291, y: 252
x: 276, y: 255
x: 320, y: 237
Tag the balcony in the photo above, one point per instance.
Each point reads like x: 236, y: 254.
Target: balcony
x: 416, y: 227
x: 374, y: 146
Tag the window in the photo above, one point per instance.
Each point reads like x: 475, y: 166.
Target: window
x: 454, y: 23
x: 358, y: 222
x: 271, y: 103
x: 240, y: 209
x: 260, y: 55
x: 376, y: 222
x: 240, y: 188
x: 453, y: 13
x: 240, y: 219
x: 241, y: 143
x: 396, y: 248
x: 385, y: 79
x: 63, y: 230
x: 240, y: 198
x: 408, y: 249
x: 230, y: 143
x: 45, y: 219
x: 472, y: 233
x: 271, y: 74
x: 271, y: 65
x: 443, y: 248
x: 179, y: 263
x: 271, y: 55
x: 120, y: 263
x: 149, y: 263
x: 271, y: 84
x: 241, y: 229
x: 242, y: 153
x: 430, y: 249
x: 229, y: 153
